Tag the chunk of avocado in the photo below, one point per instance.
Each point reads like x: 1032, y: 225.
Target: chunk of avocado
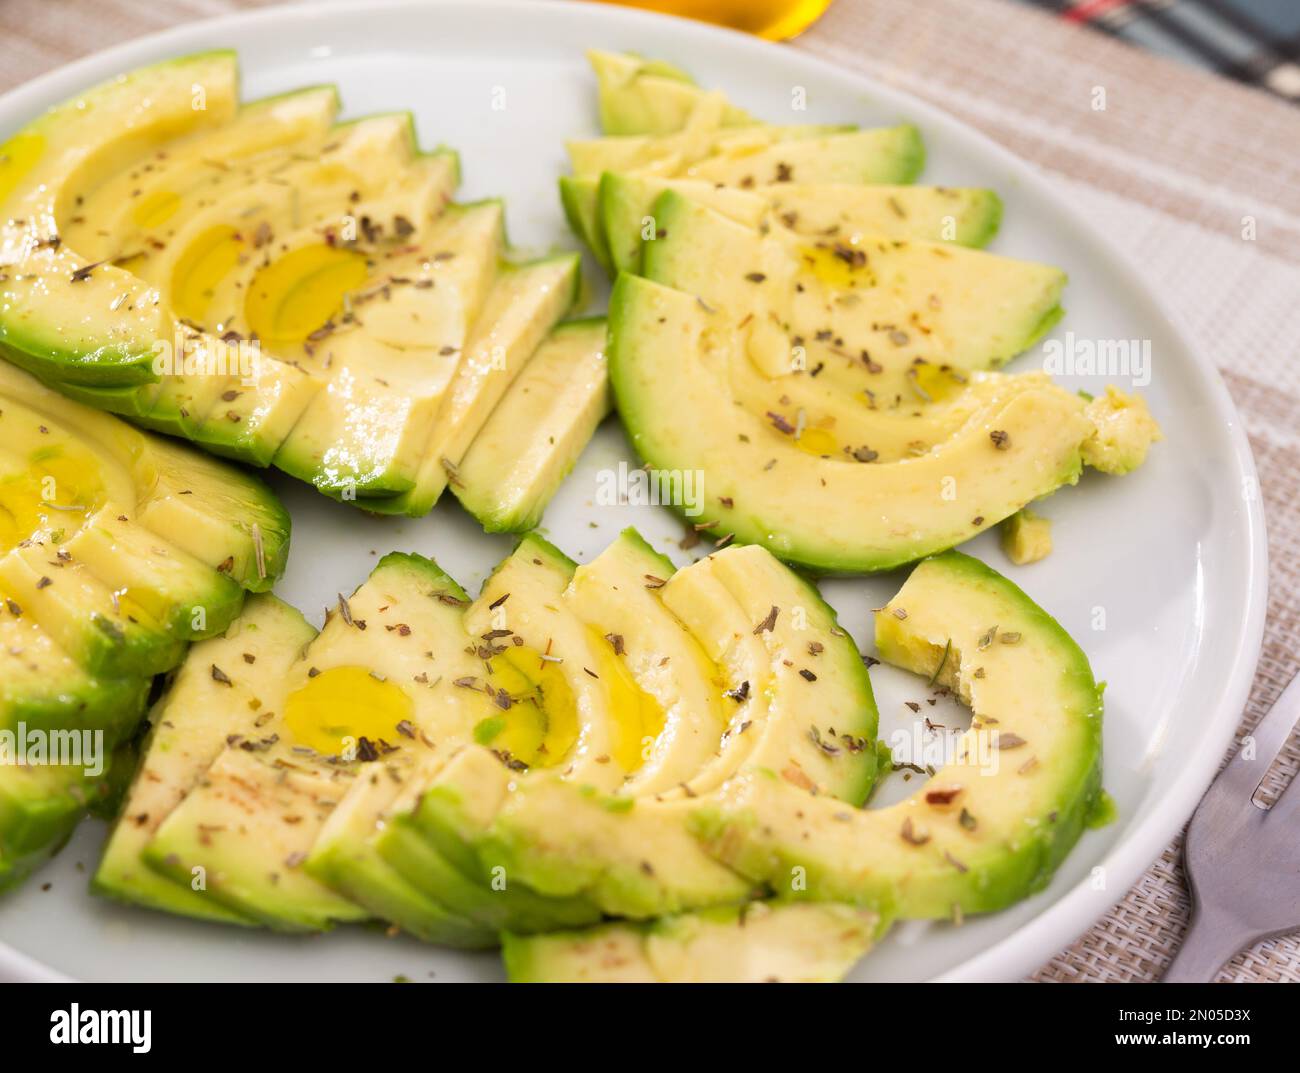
x: 761, y: 942
x: 968, y: 217
x: 1124, y: 430
x: 989, y: 828
x: 534, y: 436
x: 1026, y: 537
x: 670, y: 360
x: 803, y: 707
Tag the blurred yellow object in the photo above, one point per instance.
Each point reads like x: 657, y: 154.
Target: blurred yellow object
x: 775, y: 20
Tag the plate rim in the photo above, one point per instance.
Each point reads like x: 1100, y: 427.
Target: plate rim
x: 1079, y: 907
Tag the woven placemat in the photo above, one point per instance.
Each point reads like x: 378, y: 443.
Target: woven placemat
x: 1178, y: 162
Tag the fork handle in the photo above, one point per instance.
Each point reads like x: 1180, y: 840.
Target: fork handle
x: 1209, y: 944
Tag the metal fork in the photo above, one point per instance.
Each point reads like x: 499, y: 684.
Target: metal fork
x: 1242, y: 860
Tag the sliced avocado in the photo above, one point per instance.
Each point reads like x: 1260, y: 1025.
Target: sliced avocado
x: 43, y: 687
x: 618, y: 595
x: 703, y: 142
x: 987, y: 829
x: 61, y: 313
x: 273, y: 286
x: 968, y: 217
x: 580, y: 199
x: 363, y: 693
x: 346, y: 858
x: 134, y: 213
x: 100, y: 587
x: 430, y: 840
x: 523, y: 305
x: 643, y: 96
x: 947, y: 305
x: 761, y: 942
x: 217, y: 693
x: 569, y: 708
x: 221, y: 515
x: 633, y: 856
x: 345, y: 854
x: 743, y: 157
x: 365, y: 435
x: 537, y: 431
x: 825, y: 509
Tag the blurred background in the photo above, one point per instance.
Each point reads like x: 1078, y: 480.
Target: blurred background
x: 1256, y: 41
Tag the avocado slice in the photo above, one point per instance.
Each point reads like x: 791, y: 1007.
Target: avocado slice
x: 189, y: 728
x: 670, y: 355
x: 761, y: 942
x: 95, y: 325
x: 644, y: 96
x: 524, y: 303
x: 365, y: 437
x: 534, y: 436
x: 896, y: 300
x: 699, y: 701
x: 633, y: 855
x: 746, y: 157
x: 988, y: 829
x: 968, y: 217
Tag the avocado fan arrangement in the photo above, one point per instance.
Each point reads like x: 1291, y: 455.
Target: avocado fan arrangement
x: 615, y: 771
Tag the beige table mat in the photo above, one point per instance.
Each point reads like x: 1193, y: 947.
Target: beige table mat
x: 1175, y: 163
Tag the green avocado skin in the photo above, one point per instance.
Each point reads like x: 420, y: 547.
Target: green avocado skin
x: 1000, y: 875
x: 35, y: 824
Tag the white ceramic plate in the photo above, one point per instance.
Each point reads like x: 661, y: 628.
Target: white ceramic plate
x: 1160, y: 575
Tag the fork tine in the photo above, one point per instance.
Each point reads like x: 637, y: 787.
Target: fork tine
x: 1243, y: 775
